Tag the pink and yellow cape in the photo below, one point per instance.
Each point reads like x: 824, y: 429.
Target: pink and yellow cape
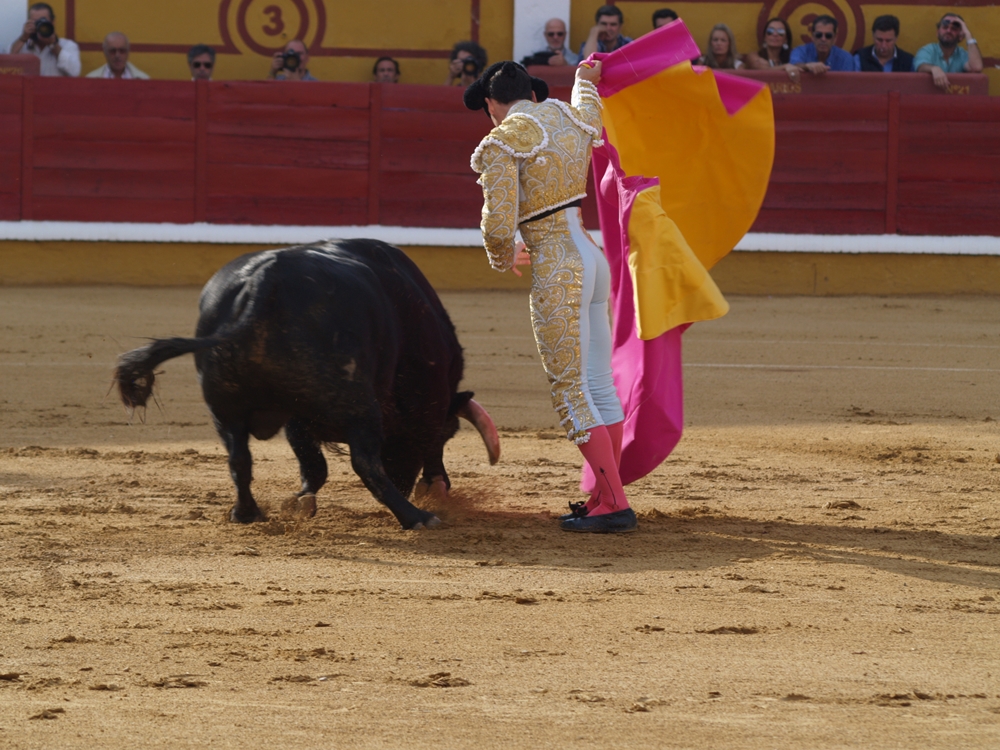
x: 680, y: 179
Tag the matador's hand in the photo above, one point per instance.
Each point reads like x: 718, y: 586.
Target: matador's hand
x: 520, y: 259
x: 590, y: 72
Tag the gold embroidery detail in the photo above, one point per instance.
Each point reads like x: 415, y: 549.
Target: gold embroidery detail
x: 556, y: 292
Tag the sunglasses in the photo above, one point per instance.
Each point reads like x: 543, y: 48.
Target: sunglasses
x: 953, y: 25
x: 775, y: 32
x: 207, y: 66
x: 555, y: 33
x: 823, y: 35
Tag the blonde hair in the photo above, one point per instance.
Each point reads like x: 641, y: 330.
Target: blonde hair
x: 731, y: 55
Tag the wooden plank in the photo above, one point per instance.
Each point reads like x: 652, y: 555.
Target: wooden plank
x: 469, y: 128
x: 91, y: 208
x: 819, y: 222
x: 10, y: 206
x: 375, y: 150
x: 289, y: 94
x: 948, y: 221
x: 201, y: 151
x: 892, y: 163
x: 10, y: 172
x: 833, y: 167
x: 80, y: 96
x: 427, y: 200
x: 286, y: 210
x: 932, y: 108
x: 248, y: 181
x: 109, y: 127
x: 829, y: 108
x: 818, y: 196
x: 949, y: 194
x: 124, y: 155
x: 274, y: 121
x: 830, y: 138
x: 948, y: 137
x: 115, y: 183
x: 425, y: 99
x: 10, y: 126
x: 287, y: 152
x: 933, y: 167
x: 441, y: 157
x: 11, y: 95
x: 28, y: 135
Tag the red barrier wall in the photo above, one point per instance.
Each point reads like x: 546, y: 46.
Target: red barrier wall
x: 328, y: 154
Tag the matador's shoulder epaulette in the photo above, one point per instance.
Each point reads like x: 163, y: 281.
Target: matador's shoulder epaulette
x: 521, y: 135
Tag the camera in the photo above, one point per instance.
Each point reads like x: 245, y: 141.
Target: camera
x: 291, y: 60
x: 44, y: 28
x: 472, y: 68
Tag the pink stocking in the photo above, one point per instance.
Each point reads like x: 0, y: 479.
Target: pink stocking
x: 609, y: 495
x: 615, y: 432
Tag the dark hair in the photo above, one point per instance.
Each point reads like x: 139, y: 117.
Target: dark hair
x: 609, y: 10
x: 43, y: 6
x: 663, y: 13
x: 946, y: 15
x: 504, y: 82
x: 384, y: 59
x: 477, y: 52
x: 825, y: 19
x: 886, y: 23
x: 200, y: 49
x: 786, y: 48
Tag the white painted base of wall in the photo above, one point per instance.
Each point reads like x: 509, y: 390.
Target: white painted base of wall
x: 243, y: 234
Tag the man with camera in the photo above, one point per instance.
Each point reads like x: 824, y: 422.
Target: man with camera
x: 946, y: 56
x: 468, y: 61
x: 557, y: 50
x: 58, y: 57
x: 291, y: 64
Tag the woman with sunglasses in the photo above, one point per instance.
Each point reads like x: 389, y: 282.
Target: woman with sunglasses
x: 821, y: 54
x: 775, y: 49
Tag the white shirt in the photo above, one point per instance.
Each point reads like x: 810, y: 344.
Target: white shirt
x: 67, y: 63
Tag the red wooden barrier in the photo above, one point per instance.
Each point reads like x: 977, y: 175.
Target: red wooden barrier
x: 327, y: 153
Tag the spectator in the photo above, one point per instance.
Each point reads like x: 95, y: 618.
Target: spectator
x: 556, y: 51
x: 883, y: 56
x: 386, y: 70
x: 946, y: 56
x: 291, y: 64
x: 58, y: 57
x: 775, y: 49
x: 821, y: 54
x: 468, y: 61
x: 117, y: 66
x: 606, y: 34
x: 662, y: 17
x: 721, y: 49
x: 201, y: 62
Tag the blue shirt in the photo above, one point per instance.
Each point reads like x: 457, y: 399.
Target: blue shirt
x: 838, y: 59
x: 622, y: 40
x: 932, y: 54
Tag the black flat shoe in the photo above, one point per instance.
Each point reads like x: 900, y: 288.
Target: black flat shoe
x: 576, y: 510
x: 619, y: 522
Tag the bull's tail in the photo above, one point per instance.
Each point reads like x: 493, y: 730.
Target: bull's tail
x: 134, y: 374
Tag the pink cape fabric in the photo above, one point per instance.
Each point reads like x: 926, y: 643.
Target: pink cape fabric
x: 648, y: 374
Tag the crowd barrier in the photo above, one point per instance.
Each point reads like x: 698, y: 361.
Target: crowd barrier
x: 396, y: 155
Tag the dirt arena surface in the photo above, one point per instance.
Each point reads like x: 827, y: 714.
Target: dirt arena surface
x: 817, y: 565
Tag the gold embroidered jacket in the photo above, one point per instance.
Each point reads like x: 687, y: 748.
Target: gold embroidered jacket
x: 535, y: 160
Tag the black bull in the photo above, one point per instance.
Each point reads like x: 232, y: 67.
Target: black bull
x: 339, y: 342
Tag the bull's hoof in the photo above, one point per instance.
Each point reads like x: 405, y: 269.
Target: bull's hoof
x: 253, y: 517
x: 301, y: 506
x: 428, y: 523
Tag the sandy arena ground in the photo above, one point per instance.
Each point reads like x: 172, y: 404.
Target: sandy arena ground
x: 817, y: 565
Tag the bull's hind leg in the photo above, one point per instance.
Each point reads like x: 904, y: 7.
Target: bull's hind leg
x: 312, y: 464
x: 237, y: 441
x: 366, y: 458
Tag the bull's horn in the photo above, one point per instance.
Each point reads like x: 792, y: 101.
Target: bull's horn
x: 480, y: 419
